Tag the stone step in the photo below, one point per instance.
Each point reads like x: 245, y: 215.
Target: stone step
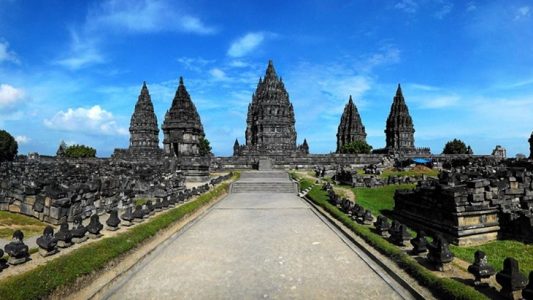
x: 253, y: 175
x: 273, y: 187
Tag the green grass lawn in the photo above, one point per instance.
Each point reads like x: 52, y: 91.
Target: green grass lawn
x: 9, y: 222
x: 414, y: 172
x: 380, y: 199
x: 497, y: 251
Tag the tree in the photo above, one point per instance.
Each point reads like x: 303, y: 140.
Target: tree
x: 356, y: 147
x: 456, y: 147
x: 8, y: 146
x: 204, y: 147
x: 80, y: 151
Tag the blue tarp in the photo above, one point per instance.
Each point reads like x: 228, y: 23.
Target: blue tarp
x: 422, y: 160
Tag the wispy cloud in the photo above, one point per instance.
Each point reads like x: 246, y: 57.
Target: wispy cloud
x: 408, y: 6
x: 10, y: 96
x: 6, y: 54
x: 444, y: 9
x: 246, y: 44
x: 22, y: 139
x: 93, y: 120
x: 83, y: 52
x: 522, y: 12
x: 144, y: 16
x: 388, y: 54
x: 195, y: 64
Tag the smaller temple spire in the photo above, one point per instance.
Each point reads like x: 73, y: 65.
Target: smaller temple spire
x: 399, y: 91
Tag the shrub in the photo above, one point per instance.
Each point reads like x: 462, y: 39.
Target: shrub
x: 8, y: 146
x: 456, y: 147
x: 356, y: 147
x: 205, y: 147
x: 79, y: 151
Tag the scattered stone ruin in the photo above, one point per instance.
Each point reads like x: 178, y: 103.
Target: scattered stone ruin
x: 473, y: 204
x: 57, y: 190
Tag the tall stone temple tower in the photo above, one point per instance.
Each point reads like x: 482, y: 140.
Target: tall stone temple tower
x: 144, y: 132
x: 183, y: 132
x: 351, y: 127
x: 270, y: 123
x: 182, y: 127
x: 399, y: 130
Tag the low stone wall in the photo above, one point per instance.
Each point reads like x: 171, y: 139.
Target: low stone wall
x: 330, y: 161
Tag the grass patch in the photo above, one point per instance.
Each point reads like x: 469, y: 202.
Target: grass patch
x: 379, y: 200
x: 64, y: 270
x: 140, y: 201
x: 9, y: 222
x: 416, y: 171
x: 497, y: 251
x: 442, y: 287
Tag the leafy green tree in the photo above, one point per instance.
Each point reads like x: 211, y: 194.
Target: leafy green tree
x: 8, y: 146
x: 204, y: 147
x: 356, y: 147
x: 456, y: 147
x: 80, y: 151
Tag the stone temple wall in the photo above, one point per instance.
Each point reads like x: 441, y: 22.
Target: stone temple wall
x: 56, y: 189
x: 310, y: 161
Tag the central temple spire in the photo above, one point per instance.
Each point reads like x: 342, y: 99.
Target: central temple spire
x: 270, y: 122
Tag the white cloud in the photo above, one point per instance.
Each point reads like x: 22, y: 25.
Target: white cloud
x: 444, y: 10
x: 6, y: 54
x: 441, y: 102
x: 246, y: 44
x: 83, y: 52
x: 94, y: 120
x: 144, y: 16
x: 10, y: 95
x: 22, y: 139
x: 522, y: 12
x: 218, y: 74
x: 195, y: 64
x: 471, y: 6
x: 408, y: 6
x: 386, y: 55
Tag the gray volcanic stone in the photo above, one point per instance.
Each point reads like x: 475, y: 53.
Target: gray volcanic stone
x: 64, y: 236
x: 95, y: 227
x: 113, y: 221
x: 18, y: 251
x: 510, y: 278
x: 47, y: 242
x: 480, y: 268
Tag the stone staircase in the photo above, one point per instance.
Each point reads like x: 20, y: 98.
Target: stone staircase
x: 264, y: 182
x: 265, y: 175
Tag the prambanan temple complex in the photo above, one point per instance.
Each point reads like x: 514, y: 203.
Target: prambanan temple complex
x: 474, y: 199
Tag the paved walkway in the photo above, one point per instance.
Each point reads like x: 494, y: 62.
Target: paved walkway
x: 257, y: 245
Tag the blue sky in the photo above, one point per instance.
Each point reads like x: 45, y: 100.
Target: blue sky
x: 72, y: 70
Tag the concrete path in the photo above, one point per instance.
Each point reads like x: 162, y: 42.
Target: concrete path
x: 257, y: 246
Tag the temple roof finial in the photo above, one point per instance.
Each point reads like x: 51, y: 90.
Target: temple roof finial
x: 181, y: 80
x: 350, y: 99
x: 399, y: 91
